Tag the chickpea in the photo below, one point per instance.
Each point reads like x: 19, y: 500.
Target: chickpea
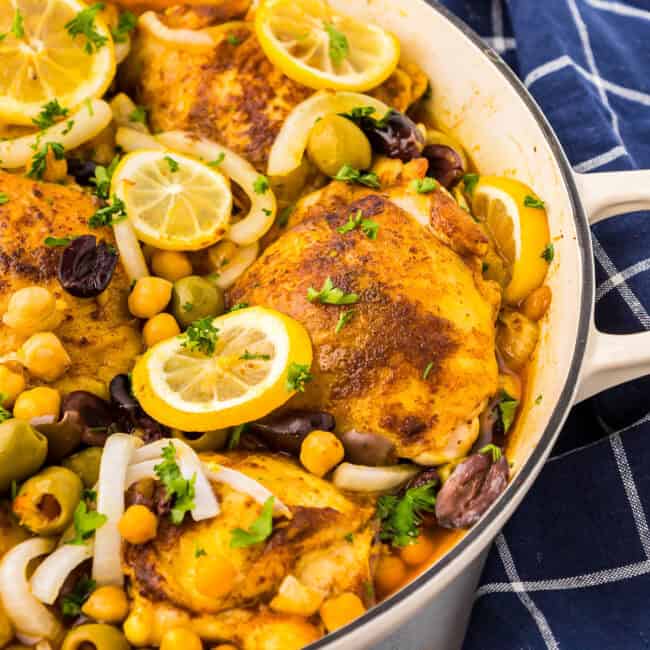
x: 537, y: 303
x: 390, y: 574
x: 138, y: 525
x: 149, y: 297
x: 340, y: 610
x: 37, y: 402
x: 215, y: 576
x: 137, y: 628
x: 180, y: 638
x: 108, y: 604
x: 171, y: 265
x: 33, y: 309
x: 159, y: 328
x: 12, y: 383
x: 418, y: 552
x: 320, y: 451
x: 44, y: 356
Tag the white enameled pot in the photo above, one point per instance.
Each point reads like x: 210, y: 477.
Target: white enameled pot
x: 477, y: 98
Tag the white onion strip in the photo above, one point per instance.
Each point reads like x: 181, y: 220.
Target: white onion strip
x: 263, y: 206
x: 29, y: 616
x: 363, y: 478
x: 80, y: 127
x: 131, y: 254
x: 140, y: 471
x: 50, y: 575
x: 107, y: 563
x: 178, y: 37
x: 238, y: 263
x: 133, y: 140
x: 242, y: 483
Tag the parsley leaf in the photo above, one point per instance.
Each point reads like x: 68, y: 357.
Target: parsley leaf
x: 173, y: 164
x: 125, y: 24
x: 401, y: 516
x: 331, y: 295
x: 18, y: 26
x: 507, y: 409
x: 249, y: 356
x: 138, y: 114
x: 198, y: 551
x: 102, y: 179
x: 548, y: 253
x: 297, y: 376
x: 424, y: 185
x: 533, y: 202
x: 114, y: 212
x: 362, y: 117
x: 538, y: 399
x: 233, y: 40
x: 71, y: 603
x: 493, y: 450
x: 4, y: 198
x: 49, y: 112
x: 39, y: 159
x: 54, y: 242
x: 188, y: 306
x: 217, y: 161
x: 83, y: 24
x: 261, y: 184
x: 86, y: 522
x: 238, y: 306
x: 350, y: 174
x: 178, y: 488
x: 344, y: 318
x: 368, y: 227
x: 284, y: 214
x: 258, y: 531
x: 339, y: 48
x: 68, y: 127
x: 201, y: 336
x: 4, y: 414
x: 427, y: 370
x: 349, y: 537
x: 470, y: 181
x: 235, y: 435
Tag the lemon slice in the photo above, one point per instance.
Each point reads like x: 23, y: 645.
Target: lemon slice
x: 520, y: 231
x: 173, y: 202
x: 42, y: 61
x: 244, y: 378
x: 319, y: 48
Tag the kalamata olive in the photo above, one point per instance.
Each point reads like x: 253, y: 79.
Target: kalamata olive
x: 95, y: 413
x: 63, y: 437
x: 82, y: 170
x: 363, y: 448
x: 429, y: 475
x: 470, y: 490
x: 395, y: 135
x: 86, y: 267
x: 285, y: 432
x: 445, y: 164
x: 120, y: 392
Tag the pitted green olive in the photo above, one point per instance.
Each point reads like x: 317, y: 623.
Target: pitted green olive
x: 195, y: 297
x: 45, y: 503
x: 22, y: 451
x: 207, y: 441
x: 335, y: 141
x: 96, y: 636
x: 85, y: 464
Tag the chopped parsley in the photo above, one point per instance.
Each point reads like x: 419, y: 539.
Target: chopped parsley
x: 138, y: 114
x: 344, y: 318
x: 173, y: 164
x: 238, y: 306
x: 368, y: 227
x: 533, y: 202
x: 55, y: 242
x: 17, y: 25
x: 258, y: 531
x: 424, y: 185
x: 493, y: 450
x: 235, y: 435
x: 548, y: 253
x: 68, y: 127
x: 86, y: 522
x: 331, y: 295
x: 470, y: 181
x: 339, y: 48
x: 538, y: 399
x: 362, y: 117
x: 401, y: 517
x: 4, y: 198
x: 284, y: 214
x: 233, y: 40
x: 349, y: 537
x: 49, y: 113
x: 507, y: 410
x: 114, y: 212
x: 267, y: 212
x: 261, y: 184
x: 178, y: 488
x: 201, y: 336
x: 217, y: 161
x: 350, y: 174
x: 4, y: 413
x: 39, y: 159
x: 102, y: 179
x: 14, y: 489
x: 249, y: 356
x: 72, y: 603
x: 297, y: 376
x: 427, y: 370
x: 188, y: 306
x: 125, y: 25
x: 83, y: 24
x: 199, y: 552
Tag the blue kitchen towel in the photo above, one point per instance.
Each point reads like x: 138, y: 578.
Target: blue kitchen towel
x: 571, y: 570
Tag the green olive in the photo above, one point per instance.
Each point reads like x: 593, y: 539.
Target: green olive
x: 45, y: 503
x: 335, y: 141
x: 22, y: 451
x: 194, y: 297
x: 96, y: 636
x: 207, y: 441
x: 85, y: 464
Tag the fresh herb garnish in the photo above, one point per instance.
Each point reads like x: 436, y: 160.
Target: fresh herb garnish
x: 138, y: 114
x: 344, y: 318
x: 72, y: 603
x: 548, y: 253
x: 493, y: 450
x: 249, y: 356
x: 424, y: 185
x: 18, y: 25
x: 349, y: 537
x: 54, y: 242
x: 350, y: 174
x: 507, y: 409
x: 368, y: 227
x: 14, y: 489
x: 199, y: 552
x: 362, y: 117
x: 233, y: 40
x: 86, y: 522
x: 284, y: 214
x: 297, y: 376
x: 235, y: 435
x: 83, y: 24
x: 4, y: 413
x: 331, y: 295
x: 484, y: 267
x: 258, y: 531
x: 173, y: 164
x: 201, y: 336
x: 427, y: 370
x: 261, y: 184
x: 401, y: 516
x: 114, y: 212
x: 49, y: 113
x: 102, y: 179
x: 39, y: 159
x: 238, y: 306
x: 339, y: 48
x: 4, y: 198
x: 533, y: 202
x: 470, y: 181
x: 538, y: 399
x: 267, y: 212
x: 217, y: 161
x: 125, y: 25
x: 68, y: 127
x: 188, y: 306
x: 178, y: 488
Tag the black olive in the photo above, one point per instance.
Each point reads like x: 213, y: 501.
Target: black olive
x: 86, y: 267
x: 445, y: 164
x: 429, y: 475
x: 120, y: 391
x: 82, y: 170
x: 363, y: 448
x: 96, y: 415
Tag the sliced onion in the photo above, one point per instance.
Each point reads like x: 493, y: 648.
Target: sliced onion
x: 141, y: 471
x: 50, y: 575
x: 134, y: 140
x: 122, y: 50
x: 239, y: 262
x: 86, y: 123
x: 242, y: 483
x: 107, y: 563
x: 29, y: 616
x: 150, y: 22
x: 363, y: 478
x: 290, y: 143
x: 130, y: 250
x: 263, y: 206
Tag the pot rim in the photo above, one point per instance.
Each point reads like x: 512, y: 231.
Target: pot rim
x: 566, y: 398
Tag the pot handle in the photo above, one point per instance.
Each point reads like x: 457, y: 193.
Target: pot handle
x: 613, y: 359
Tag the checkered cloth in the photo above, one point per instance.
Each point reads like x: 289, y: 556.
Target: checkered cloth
x: 572, y: 568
